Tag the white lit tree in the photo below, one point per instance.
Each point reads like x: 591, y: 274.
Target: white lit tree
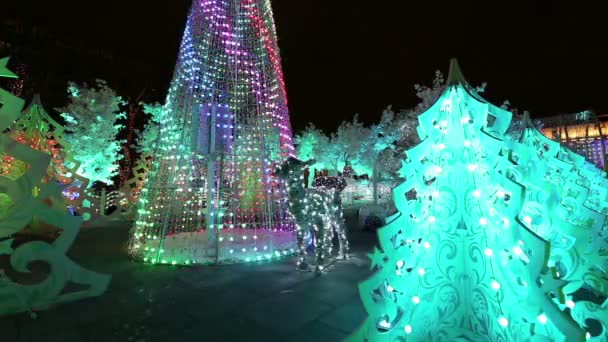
x: 147, y: 139
x: 310, y: 145
x: 91, y: 123
x: 346, y: 145
x: 381, y: 137
x: 145, y: 145
x: 308, y: 142
x: 332, y: 152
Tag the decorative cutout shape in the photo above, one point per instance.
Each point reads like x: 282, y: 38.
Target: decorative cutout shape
x: 27, y: 201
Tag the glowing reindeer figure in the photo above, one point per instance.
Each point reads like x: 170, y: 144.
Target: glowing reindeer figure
x: 317, y: 211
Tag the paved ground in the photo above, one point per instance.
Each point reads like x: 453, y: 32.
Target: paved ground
x: 249, y: 302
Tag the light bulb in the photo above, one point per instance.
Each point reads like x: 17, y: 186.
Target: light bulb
x: 416, y: 299
x: 408, y: 329
x: 385, y: 324
x: 542, y: 318
x: 488, y: 252
x: 495, y: 285
x: 503, y: 322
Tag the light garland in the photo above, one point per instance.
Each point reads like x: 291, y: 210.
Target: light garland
x: 211, y: 196
x: 497, y: 251
x: 91, y: 117
x: 317, y: 211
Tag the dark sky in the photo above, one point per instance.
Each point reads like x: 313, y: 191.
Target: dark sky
x: 344, y: 57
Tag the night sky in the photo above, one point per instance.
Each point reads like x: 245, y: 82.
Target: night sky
x: 344, y: 57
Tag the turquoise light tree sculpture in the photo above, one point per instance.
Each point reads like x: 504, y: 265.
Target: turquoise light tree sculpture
x: 502, y: 241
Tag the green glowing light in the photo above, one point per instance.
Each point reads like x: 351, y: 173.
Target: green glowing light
x: 490, y: 252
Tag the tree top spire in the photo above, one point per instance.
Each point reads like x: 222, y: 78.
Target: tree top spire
x: 455, y: 75
x: 527, y: 120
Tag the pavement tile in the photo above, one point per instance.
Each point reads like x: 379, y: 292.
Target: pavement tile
x: 317, y: 332
x: 66, y: 335
x: 346, y: 318
x: 285, y: 313
x: 247, y: 302
x: 328, y: 289
x: 211, y: 303
x: 221, y: 328
x: 11, y: 327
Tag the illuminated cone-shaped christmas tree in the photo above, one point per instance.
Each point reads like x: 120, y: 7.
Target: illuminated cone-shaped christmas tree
x: 211, y: 195
x: 502, y: 241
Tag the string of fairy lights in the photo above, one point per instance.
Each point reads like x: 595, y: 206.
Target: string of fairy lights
x: 226, y: 129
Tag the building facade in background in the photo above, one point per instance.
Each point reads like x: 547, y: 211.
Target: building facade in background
x: 584, y: 133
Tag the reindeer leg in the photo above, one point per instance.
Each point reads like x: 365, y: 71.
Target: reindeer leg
x: 328, y: 235
x: 318, y: 233
x: 301, y: 265
x: 327, y: 238
x: 341, y: 231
